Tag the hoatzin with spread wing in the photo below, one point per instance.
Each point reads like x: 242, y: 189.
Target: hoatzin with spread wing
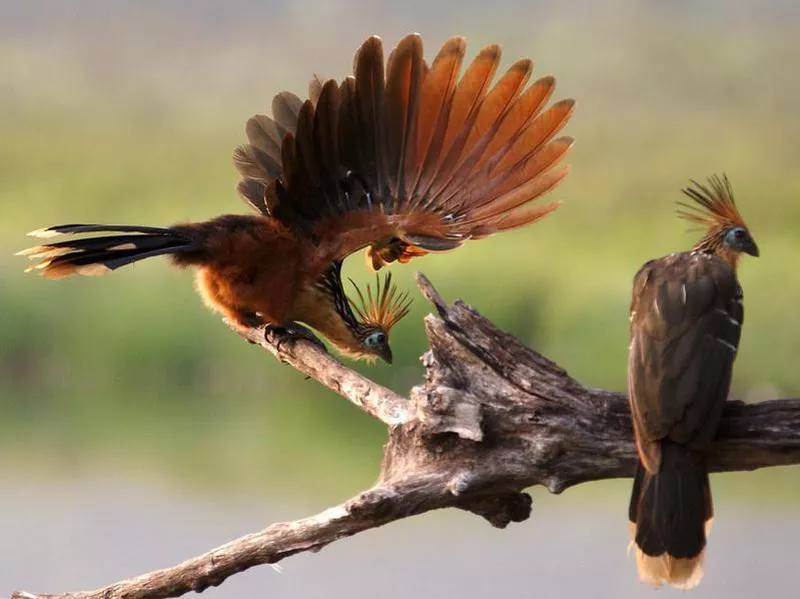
x: 403, y: 158
x: 686, y: 320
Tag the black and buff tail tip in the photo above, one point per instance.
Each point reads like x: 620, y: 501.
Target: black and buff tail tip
x: 73, y: 229
x: 47, y: 232
x: 92, y: 256
x: 670, y: 518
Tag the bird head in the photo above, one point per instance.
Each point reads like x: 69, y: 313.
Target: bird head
x: 726, y: 233
x: 378, y: 312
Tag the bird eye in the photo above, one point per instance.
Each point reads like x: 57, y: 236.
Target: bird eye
x: 376, y: 338
x: 736, y: 237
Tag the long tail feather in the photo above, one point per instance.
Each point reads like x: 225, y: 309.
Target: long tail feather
x: 73, y: 229
x: 670, y: 517
x: 98, y: 255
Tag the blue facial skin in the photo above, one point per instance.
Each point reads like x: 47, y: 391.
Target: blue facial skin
x: 378, y: 343
x: 739, y: 239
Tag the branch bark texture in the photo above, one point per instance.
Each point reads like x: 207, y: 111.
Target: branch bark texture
x: 491, y: 418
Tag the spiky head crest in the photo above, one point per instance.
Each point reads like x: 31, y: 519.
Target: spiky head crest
x: 383, y: 309
x: 715, y: 210
x: 378, y: 313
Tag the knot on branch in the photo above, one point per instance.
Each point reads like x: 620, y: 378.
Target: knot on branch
x: 500, y: 510
x: 448, y: 410
x: 377, y: 503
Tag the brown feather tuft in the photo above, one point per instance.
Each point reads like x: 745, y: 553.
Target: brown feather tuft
x: 716, y: 207
x: 716, y: 212
x: 385, y: 308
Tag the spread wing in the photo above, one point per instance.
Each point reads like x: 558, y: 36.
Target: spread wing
x: 407, y: 157
x: 686, y: 317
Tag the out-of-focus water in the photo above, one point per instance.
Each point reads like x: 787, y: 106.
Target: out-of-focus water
x: 85, y: 534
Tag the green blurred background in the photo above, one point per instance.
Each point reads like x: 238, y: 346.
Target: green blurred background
x: 127, y: 112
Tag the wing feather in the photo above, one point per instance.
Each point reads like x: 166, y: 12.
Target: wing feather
x: 528, y: 180
x: 286, y: 110
x: 685, y: 329
x: 403, y: 78
x: 493, y: 110
x: 407, y: 158
x: 326, y: 147
x: 463, y: 112
x: 370, y: 127
x: 436, y: 96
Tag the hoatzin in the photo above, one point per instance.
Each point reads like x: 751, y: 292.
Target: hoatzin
x: 402, y: 157
x: 686, y: 320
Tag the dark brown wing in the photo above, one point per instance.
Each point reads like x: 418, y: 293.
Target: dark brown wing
x: 260, y: 162
x: 408, y: 158
x: 686, y: 317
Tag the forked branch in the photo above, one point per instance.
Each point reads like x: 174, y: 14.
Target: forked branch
x: 492, y: 418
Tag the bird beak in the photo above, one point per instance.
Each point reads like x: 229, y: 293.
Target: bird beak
x: 385, y: 354
x: 752, y: 249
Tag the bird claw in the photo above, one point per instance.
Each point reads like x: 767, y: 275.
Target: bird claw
x: 291, y: 334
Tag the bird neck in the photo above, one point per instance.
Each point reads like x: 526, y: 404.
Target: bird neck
x: 341, y: 333
x: 730, y: 256
x: 323, y: 305
x: 712, y: 243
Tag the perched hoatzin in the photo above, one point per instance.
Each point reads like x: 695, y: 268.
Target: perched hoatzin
x: 403, y: 159
x: 686, y: 320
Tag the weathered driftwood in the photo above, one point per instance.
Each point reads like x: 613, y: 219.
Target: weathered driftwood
x: 492, y: 418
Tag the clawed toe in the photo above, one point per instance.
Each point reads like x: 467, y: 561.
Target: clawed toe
x: 290, y: 334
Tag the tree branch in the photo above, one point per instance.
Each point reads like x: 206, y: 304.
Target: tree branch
x: 276, y: 542
x: 492, y: 418
x: 377, y: 401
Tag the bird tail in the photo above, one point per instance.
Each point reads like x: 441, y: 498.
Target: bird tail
x: 99, y: 255
x: 670, y: 518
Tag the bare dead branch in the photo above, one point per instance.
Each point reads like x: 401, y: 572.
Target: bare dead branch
x: 377, y: 401
x: 367, y: 510
x: 492, y: 418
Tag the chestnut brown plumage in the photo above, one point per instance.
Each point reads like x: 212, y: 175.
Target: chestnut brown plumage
x: 686, y: 316
x: 402, y: 158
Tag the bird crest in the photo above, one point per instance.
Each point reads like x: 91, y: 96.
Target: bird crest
x: 383, y: 309
x: 715, y: 207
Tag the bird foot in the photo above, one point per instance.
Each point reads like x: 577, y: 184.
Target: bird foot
x: 291, y: 334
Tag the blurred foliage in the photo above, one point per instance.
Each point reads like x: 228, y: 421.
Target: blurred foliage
x: 129, y: 371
